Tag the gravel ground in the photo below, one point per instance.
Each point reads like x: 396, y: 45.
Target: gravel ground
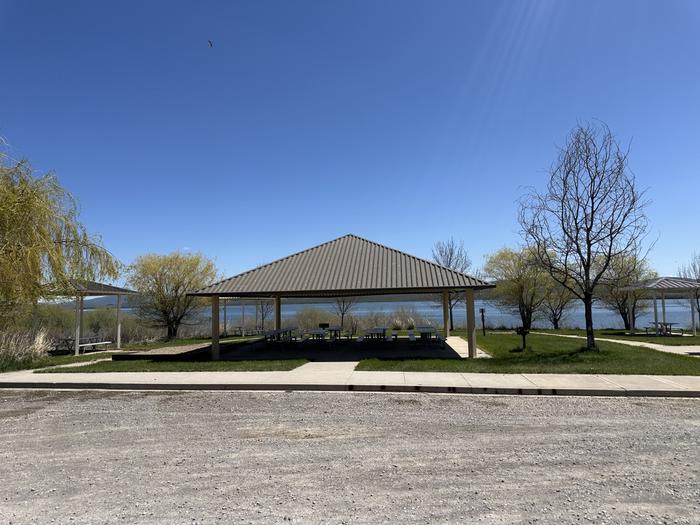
x: 206, y: 457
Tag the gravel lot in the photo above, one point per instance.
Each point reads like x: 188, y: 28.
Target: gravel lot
x: 206, y: 457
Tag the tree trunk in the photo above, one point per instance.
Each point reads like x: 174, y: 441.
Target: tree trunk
x: 588, y: 307
x: 555, y: 322
x: 452, y: 324
x: 342, y: 320
x: 172, y: 331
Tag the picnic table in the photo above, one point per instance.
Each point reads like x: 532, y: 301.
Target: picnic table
x: 334, y: 332
x: 281, y: 334
x: 664, y: 328
x: 426, y: 332
x: 67, y: 345
x: 317, y: 334
x: 378, y: 332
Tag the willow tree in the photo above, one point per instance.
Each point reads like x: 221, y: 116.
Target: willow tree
x: 624, y: 271
x: 590, y: 214
x: 163, y: 282
x: 521, y: 284
x: 42, y: 241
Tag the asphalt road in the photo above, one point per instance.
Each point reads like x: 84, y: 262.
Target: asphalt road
x: 210, y: 457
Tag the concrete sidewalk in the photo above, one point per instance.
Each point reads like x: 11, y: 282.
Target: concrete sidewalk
x: 341, y: 376
x: 689, y: 350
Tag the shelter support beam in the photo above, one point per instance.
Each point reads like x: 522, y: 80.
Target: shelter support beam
x: 471, y: 321
x: 215, y: 355
x: 656, y: 316
x: 663, y: 307
x: 693, y: 325
x: 446, y: 313
x: 278, y: 312
x: 119, y: 322
x: 78, y: 322
x: 225, y: 319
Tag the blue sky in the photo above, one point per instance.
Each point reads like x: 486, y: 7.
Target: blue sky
x: 403, y: 122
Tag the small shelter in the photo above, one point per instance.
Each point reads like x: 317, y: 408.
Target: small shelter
x: 348, y: 266
x: 667, y: 288
x: 80, y: 289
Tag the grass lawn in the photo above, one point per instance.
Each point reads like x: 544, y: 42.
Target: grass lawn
x: 546, y: 354
x: 623, y: 336
x: 184, y: 366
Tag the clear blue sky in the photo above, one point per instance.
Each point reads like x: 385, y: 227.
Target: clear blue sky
x: 404, y: 122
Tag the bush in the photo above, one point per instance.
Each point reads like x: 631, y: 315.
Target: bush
x: 20, y: 350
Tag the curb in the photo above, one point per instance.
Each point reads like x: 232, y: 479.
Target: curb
x: 352, y: 388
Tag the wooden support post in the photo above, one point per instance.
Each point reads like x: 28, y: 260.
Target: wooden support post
x: 78, y: 308
x: 656, y: 317
x: 215, y: 328
x: 663, y: 307
x: 119, y: 322
x: 278, y: 312
x: 446, y: 313
x: 693, y: 326
x: 225, y: 318
x: 471, y: 321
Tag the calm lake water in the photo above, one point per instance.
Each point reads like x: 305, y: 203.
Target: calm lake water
x: 676, y: 312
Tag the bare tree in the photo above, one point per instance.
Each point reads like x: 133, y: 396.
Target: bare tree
x: 590, y: 214
x: 343, y: 306
x: 452, y: 255
x: 624, y: 271
x: 692, y: 271
x: 263, y: 309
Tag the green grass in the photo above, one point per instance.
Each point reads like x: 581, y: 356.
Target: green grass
x: 546, y: 354
x: 621, y: 335
x: 184, y: 366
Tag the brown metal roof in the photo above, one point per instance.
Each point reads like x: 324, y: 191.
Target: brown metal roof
x: 349, y: 265
x: 665, y: 284
x: 89, y: 288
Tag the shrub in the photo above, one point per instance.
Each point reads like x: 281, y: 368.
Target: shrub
x: 20, y: 350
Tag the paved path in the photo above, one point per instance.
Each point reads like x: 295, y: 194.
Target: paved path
x: 342, y: 376
x: 692, y: 350
x: 460, y: 346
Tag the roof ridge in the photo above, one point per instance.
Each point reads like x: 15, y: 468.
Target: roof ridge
x: 433, y: 263
x: 265, y: 265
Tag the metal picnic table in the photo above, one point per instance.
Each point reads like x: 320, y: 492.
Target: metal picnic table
x: 317, y: 334
x: 378, y: 332
x: 426, y: 332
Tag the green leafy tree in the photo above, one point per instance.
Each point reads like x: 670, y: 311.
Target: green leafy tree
x: 557, y: 300
x: 520, y: 283
x: 43, y: 245
x: 163, y: 282
x: 623, y: 271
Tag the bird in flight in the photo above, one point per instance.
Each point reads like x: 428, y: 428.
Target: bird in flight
x: 211, y: 44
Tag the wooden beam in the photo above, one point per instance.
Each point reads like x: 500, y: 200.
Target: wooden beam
x: 215, y: 356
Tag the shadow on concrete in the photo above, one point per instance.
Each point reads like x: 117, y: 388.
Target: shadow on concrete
x: 328, y: 351
x: 337, y: 350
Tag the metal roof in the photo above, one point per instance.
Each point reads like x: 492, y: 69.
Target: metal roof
x: 83, y: 287
x: 665, y: 284
x: 349, y: 265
